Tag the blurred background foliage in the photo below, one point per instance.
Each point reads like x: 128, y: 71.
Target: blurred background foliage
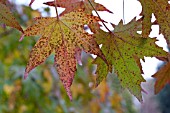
x: 43, y: 92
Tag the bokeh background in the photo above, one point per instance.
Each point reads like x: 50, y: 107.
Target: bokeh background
x: 42, y: 91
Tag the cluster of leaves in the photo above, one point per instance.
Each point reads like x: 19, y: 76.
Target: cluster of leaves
x: 45, y: 94
x: 121, y: 49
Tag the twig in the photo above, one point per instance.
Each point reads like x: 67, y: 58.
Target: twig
x: 99, y: 16
x: 56, y: 9
x: 123, y: 11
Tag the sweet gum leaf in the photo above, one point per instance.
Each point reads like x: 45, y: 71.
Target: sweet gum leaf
x: 7, y: 18
x: 66, y: 37
x: 72, y: 5
x: 161, y: 10
x: 123, y: 48
x: 162, y: 77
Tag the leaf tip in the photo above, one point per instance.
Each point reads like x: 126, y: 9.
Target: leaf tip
x: 96, y: 84
x: 25, y: 75
x: 22, y: 37
x: 144, y: 91
x: 69, y: 93
x: 80, y: 63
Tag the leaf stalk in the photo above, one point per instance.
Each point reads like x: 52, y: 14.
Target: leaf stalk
x: 99, y: 16
x: 56, y: 9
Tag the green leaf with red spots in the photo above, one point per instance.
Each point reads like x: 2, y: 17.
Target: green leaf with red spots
x: 162, y: 77
x: 7, y: 18
x: 72, y: 5
x: 123, y: 48
x: 65, y: 36
x: 161, y: 10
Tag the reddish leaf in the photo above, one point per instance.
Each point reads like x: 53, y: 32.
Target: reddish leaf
x: 162, y: 77
x: 38, y: 54
x: 3, y: 1
x: 72, y: 5
x: 67, y: 38
x: 7, y: 18
x: 65, y: 62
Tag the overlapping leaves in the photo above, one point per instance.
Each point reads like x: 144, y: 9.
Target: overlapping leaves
x: 163, y: 75
x: 66, y: 37
x: 123, y: 49
x: 72, y: 5
x: 161, y: 10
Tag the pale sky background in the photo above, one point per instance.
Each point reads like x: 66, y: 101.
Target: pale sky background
x: 132, y: 8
